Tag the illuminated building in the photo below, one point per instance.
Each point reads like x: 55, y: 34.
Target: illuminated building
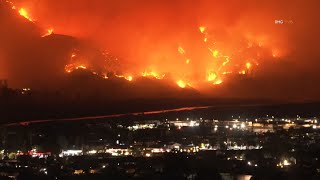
x: 71, y: 153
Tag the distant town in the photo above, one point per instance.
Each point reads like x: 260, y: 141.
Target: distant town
x: 239, y: 148
x: 188, y: 143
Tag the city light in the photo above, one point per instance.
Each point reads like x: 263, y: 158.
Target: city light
x: 243, y: 125
x: 286, y: 163
x: 148, y: 155
x: 71, y: 153
x: 92, y: 152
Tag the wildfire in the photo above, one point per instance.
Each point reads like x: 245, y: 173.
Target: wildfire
x: 219, y: 63
x: 128, y: 78
x: 153, y: 75
x: 68, y: 68
x: 218, y: 82
x: 215, y: 53
x: 248, y: 65
x: 71, y: 67
x: 211, y: 76
x: 76, y: 63
x: 48, y: 33
x: 243, y: 72
x: 212, y: 64
x: 25, y: 14
x: 202, y: 29
x: 81, y: 67
x: 226, y: 61
x: 181, y: 84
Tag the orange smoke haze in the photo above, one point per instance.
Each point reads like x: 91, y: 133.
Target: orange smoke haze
x: 192, y: 42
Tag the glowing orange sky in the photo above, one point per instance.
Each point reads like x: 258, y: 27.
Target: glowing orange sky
x: 150, y: 35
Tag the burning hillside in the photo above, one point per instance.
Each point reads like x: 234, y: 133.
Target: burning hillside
x: 187, y: 44
x: 211, y: 61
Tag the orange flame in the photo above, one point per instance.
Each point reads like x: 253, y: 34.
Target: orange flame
x: 153, y: 75
x: 71, y: 67
x: 248, y: 65
x: 215, y: 53
x: 225, y: 62
x: 182, y: 84
x: 243, y: 72
x: 128, y: 78
x: 218, y: 82
x: 202, y: 29
x: 211, y: 76
x: 81, y: 67
x: 25, y: 14
x: 48, y: 33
